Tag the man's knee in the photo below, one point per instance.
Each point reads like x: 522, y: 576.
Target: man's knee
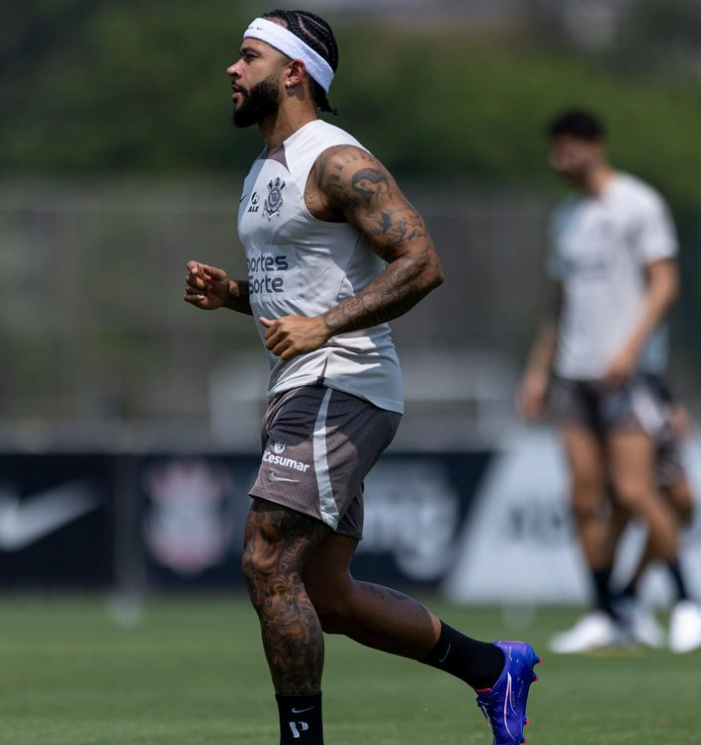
x: 632, y: 492
x: 262, y: 573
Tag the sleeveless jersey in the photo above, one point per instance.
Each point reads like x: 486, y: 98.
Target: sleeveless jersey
x: 299, y: 265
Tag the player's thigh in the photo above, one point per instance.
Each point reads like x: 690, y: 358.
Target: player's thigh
x: 631, y: 457
x: 278, y: 542
x: 586, y: 463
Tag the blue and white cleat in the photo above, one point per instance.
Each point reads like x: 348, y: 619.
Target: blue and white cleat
x: 504, y: 705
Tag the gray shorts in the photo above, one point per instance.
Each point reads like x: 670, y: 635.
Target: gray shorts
x: 318, y: 446
x: 636, y: 405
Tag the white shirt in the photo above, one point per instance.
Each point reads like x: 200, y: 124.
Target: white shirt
x: 600, y: 247
x: 299, y: 265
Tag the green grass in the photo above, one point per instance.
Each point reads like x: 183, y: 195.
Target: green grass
x: 193, y: 673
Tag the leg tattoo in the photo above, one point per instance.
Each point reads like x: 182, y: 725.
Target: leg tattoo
x: 277, y: 544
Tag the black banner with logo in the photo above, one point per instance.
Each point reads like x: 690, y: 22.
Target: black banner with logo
x: 195, y: 509
x: 56, y: 520
x: 194, y: 512
x: 176, y: 522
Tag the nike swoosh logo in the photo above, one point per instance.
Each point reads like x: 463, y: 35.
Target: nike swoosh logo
x: 445, y: 656
x: 274, y: 478
x: 242, y: 198
x: 301, y: 711
x: 25, y: 522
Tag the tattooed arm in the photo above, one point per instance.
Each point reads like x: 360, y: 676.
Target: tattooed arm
x: 357, y: 186
x: 349, y: 184
x: 208, y: 287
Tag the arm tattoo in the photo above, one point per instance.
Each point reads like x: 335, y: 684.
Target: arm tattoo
x: 391, y: 294
x: 238, y: 299
x: 357, y: 185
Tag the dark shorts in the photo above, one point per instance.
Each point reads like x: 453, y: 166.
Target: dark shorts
x: 319, y: 444
x: 636, y: 405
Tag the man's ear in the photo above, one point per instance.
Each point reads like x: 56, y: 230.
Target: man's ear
x: 295, y: 73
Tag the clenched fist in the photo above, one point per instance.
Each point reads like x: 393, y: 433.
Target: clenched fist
x: 290, y: 336
x: 206, y: 287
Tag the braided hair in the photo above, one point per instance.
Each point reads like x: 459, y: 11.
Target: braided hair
x: 316, y: 33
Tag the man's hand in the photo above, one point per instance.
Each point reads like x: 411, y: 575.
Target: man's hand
x: 290, y: 336
x: 206, y: 287
x: 532, y: 397
x: 621, y: 368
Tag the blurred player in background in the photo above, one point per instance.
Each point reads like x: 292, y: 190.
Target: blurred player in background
x: 334, y: 252
x: 673, y: 483
x: 598, y: 360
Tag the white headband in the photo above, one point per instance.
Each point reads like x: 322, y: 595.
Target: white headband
x: 291, y: 46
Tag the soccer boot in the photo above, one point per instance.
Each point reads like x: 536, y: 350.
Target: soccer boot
x: 504, y: 704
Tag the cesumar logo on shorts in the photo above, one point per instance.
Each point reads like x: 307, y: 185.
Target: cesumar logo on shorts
x: 279, y: 447
x: 279, y: 460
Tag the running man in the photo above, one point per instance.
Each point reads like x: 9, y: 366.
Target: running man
x: 613, y: 263
x: 334, y: 252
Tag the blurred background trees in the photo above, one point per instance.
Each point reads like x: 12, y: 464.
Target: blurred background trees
x: 117, y: 153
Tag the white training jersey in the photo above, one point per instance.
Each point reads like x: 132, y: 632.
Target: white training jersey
x: 600, y: 247
x: 299, y: 265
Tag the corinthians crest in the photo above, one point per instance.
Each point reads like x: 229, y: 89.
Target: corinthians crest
x: 273, y: 202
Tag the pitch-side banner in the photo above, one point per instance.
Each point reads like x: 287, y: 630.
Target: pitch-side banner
x: 519, y: 546
x: 194, y: 511
x: 56, y: 520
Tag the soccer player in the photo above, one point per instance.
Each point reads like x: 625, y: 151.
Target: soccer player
x: 334, y: 252
x: 673, y: 483
x: 615, y: 277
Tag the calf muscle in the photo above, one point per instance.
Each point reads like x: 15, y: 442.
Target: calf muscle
x: 278, y: 542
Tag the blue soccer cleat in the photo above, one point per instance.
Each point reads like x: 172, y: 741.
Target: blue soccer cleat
x: 504, y: 704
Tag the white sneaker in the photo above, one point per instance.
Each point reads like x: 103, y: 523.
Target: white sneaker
x: 685, y: 627
x: 593, y: 631
x: 642, y: 624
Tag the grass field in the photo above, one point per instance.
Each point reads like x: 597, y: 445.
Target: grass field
x: 192, y: 673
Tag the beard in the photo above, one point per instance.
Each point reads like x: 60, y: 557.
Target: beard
x: 259, y: 103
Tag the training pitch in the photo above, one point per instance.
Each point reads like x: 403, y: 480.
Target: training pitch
x: 192, y: 672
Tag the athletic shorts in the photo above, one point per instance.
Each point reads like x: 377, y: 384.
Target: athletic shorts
x: 636, y: 405
x: 319, y: 444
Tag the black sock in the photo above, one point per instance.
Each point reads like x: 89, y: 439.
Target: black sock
x: 678, y: 578
x: 630, y: 591
x: 602, y: 580
x: 477, y: 663
x: 300, y: 720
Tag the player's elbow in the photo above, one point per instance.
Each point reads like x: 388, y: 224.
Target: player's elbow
x: 674, y: 285
x: 665, y: 283
x: 431, y: 272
